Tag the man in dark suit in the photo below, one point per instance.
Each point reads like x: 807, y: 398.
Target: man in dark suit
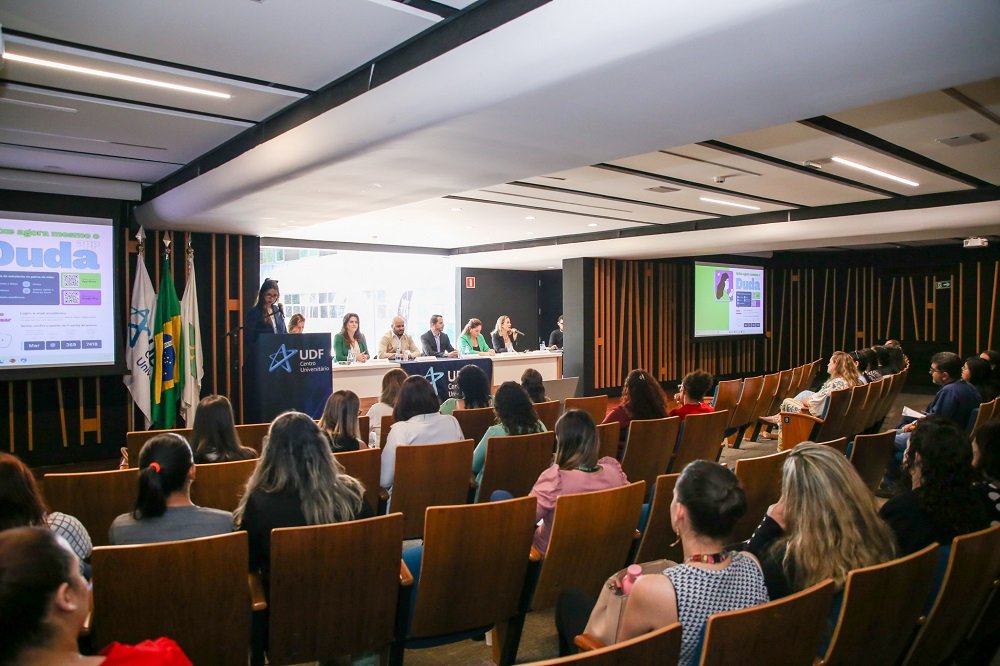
x: 435, y: 341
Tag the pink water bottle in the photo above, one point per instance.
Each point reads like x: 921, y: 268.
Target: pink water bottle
x: 631, y: 575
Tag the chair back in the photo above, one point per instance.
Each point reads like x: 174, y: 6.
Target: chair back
x: 514, y: 463
x: 838, y: 405
x: 761, y: 481
x: 876, y: 391
x: 364, y: 465
x: 749, y: 397
x: 136, y: 438
x: 809, y: 375
x: 662, y: 646
x: 786, y: 631
x: 595, y: 405
x: 972, y: 573
x: 727, y: 393
x: 880, y: 596
x: 475, y: 422
x: 429, y: 475
x: 768, y: 394
x: 856, y: 412
x: 980, y: 416
x: 221, y: 485
x: 885, y: 401
x: 784, y: 381
x: 548, y: 412
x: 701, y: 439
x: 364, y: 427
x: 344, y: 575
x: 839, y: 444
x: 383, y: 433
x: 592, y: 534
x: 193, y: 591
x: 658, y: 537
x: 484, y: 544
x: 649, y: 447
x: 253, y: 435
x: 870, y: 454
x: 609, y: 436
x: 795, y: 381
x: 94, y: 498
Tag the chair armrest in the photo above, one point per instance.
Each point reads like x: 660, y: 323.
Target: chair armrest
x: 636, y: 535
x: 535, y: 555
x: 405, y: 577
x: 586, y: 643
x: 797, y: 427
x: 258, y: 600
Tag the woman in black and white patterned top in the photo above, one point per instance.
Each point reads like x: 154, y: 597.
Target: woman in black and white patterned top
x: 708, y: 501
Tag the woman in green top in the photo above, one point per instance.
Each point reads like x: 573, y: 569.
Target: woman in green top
x: 474, y: 386
x: 515, y: 416
x: 472, y: 341
x: 350, y: 339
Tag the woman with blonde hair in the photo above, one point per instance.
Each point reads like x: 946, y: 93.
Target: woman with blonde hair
x: 505, y: 335
x: 825, y: 524
x: 843, y: 373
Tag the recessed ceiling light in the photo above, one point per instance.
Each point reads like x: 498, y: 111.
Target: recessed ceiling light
x: 728, y: 203
x: 592, y: 224
x: 456, y: 210
x: 530, y: 233
x: 549, y: 267
x: 530, y: 217
x: 873, y: 171
x: 28, y: 60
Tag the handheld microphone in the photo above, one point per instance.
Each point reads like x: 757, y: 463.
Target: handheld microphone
x: 515, y: 331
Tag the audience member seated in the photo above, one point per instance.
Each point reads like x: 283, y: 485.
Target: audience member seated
x: 339, y: 422
x: 515, y: 416
x: 986, y: 461
x: 955, y: 400
x: 214, y: 437
x: 883, y: 361
x: 943, y: 503
x: 474, y: 386
x: 708, y: 501
x: 576, y: 470
x: 693, y: 389
x: 642, y: 398
x: 532, y: 382
x: 472, y: 342
x: 505, y: 336
x: 21, y: 505
x: 391, y: 382
x: 350, y: 341
x: 163, y: 509
x: 417, y: 422
x: 44, y: 603
x: 993, y: 357
x: 435, y: 341
x: 297, y: 324
x: 867, y: 363
x: 843, y: 374
x: 897, y: 361
x: 976, y: 372
x: 825, y: 524
x: 296, y: 483
x: 556, y: 336
x: 397, y: 342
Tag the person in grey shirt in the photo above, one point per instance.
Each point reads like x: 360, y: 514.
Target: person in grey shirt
x: 163, y: 509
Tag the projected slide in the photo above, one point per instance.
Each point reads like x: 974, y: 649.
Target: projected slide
x: 56, y: 292
x: 728, y: 300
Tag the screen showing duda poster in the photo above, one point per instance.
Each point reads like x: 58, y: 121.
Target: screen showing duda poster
x: 728, y: 300
x: 56, y: 292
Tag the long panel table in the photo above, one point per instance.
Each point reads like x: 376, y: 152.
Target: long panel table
x: 365, y: 379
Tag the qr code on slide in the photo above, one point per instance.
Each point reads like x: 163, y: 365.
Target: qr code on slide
x: 71, y: 280
x: 71, y: 298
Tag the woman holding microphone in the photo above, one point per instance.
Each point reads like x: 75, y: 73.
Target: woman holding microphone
x: 505, y: 336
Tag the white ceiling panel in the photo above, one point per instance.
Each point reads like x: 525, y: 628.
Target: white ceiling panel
x: 305, y: 44
x: 61, y: 162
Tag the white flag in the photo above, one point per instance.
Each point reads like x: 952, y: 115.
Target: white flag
x: 138, y: 360
x: 193, y: 362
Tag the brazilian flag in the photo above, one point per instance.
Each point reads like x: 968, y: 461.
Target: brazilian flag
x: 168, y: 364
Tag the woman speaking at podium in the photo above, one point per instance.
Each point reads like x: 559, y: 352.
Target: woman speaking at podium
x: 266, y: 316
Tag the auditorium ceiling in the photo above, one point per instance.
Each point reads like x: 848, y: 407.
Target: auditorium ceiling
x: 516, y: 133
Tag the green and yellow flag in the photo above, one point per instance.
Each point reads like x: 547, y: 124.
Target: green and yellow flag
x: 168, y: 364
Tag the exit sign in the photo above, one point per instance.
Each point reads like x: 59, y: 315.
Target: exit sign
x: 470, y: 282
x: 943, y: 284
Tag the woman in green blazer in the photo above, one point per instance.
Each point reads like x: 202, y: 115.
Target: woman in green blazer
x: 472, y: 341
x: 349, y: 339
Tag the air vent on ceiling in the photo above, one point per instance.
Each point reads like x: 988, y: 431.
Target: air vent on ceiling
x: 662, y: 189
x: 553, y: 177
x: 964, y: 139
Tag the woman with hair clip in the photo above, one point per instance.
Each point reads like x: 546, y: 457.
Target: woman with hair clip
x: 708, y: 502
x: 296, y: 483
x: 575, y: 469
x: 515, y: 416
x: 474, y: 386
x: 642, y: 398
x: 867, y: 363
x: 214, y: 438
x: 266, y: 316
x: 340, y: 422
x: 825, y: 524
x: 45, y: 603
x: 163, y: 509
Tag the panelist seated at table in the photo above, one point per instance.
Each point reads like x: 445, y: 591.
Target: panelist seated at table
x: 350, y: 339
x: 505, y: 336
x: 435, y: 342
x: 397, y: 340
x: 472, y: 341
x: 556, y: 336
x: 297, y: 323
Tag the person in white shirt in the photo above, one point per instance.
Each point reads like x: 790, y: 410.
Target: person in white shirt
x: 417, y: 422
x: 397, y: 339
x: 391, y: 382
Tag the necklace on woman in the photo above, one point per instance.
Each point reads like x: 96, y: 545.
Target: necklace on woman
x: 711, y: 558
x: 585, y: 468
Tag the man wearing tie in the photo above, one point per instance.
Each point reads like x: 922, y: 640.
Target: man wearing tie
x: 435, y: 341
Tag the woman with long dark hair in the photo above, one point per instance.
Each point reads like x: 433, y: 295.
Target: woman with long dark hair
x: 163, y: 508
x: 214, y: 437
x: 266, y: 316
x: 350, y: 340
x: 340, y: 422
x: 532, y: 382
x: 642, y: 398
x: 474, y: 386
x: 976, y: 371
x: 515, y: 416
